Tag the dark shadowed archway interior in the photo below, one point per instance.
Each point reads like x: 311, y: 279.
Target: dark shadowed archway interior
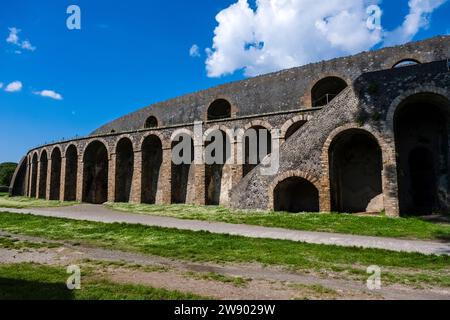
x: 182, y: 175
x: 355, y: 170
x: 214, y: 172
x: 95, y: 176
x: 43, y: 167
x: 296, y: 195
x: 33, y: 182
x: 151, y: 122
x: 421, y: 136
x: 124, y: 170
x: 294, y: 128
x: 257, y: 145
x: 326, y: 90
x: 219, y: 109
x: 151, y: 166
x: 55, y: 179
x: 70, y: 189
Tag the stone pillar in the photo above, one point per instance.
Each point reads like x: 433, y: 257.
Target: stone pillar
x: 27, y: 180
x: 112, y: 178
x: 38, y: 179
x: 199, y: 186
x: 49, y: 179
x: 199, y: 169
x: 136, y: 184
x: 164, y: 193
x: 80, y: 173
x: 237, y: 169
x: 390, y: 179
x: 62, y: 186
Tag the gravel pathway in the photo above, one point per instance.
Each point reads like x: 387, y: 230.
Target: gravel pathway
x: 98, y: 213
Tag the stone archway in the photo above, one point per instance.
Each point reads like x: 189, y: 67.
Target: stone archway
x: 124, y: 170
x: 182, y: 173
x: 34, y: 174
x: 257, y: 144
x: 70, y: 188
x: 422, y: 144
x: 152, y: 155
x: 55, y: 174
x: 296, y: 194
x: 217, y: 175
x: 356, y: 165
x: 95, y: 173
x: 43, y: 168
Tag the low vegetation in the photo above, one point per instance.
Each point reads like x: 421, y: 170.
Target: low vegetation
x: 6, y: 173
x: 38, y: 282
x: 380, y: 226
x: 24, y: 202
x: 397, y: 267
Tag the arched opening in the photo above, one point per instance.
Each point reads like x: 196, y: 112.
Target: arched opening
x: 43, y: 167
x: 257, y: 145
x: 219, y: 109
x: 95, y: 173
x: 151, y: 166
x: 34, y: 170
x: 296, y: 195
x: 406, y: 63
x: 216, y: 184
x: 55, y: 179
x: 182, y: 171
x: 124, y: 170
x: 326, y: 90
x: 356, y: 166
x: 151, y: 123
x: 294, y: 128
x: 421, y: 136
x: 70, y: 189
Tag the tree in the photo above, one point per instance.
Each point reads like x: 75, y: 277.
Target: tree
x: 6, y: 173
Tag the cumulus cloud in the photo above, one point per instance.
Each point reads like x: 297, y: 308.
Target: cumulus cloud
x: 194, y: 51
x: 49, y: 94
x: 13, y: 38
x: 279, y: 34
x: 418, y: 18
x: 15, y: 86
x: 13, y: 35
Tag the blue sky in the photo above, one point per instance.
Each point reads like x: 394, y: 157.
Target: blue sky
x: 132, y: 53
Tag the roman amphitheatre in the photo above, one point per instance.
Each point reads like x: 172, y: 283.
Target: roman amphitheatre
x: 364, y: 133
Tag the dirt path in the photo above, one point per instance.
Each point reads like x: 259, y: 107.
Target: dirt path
x: 98, y: 213
x: 228, y: 281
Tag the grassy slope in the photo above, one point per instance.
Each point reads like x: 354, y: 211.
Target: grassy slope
x: 25, y: 202
x: 38, y: 282
x: 408, y: 228
x: 202, y: 246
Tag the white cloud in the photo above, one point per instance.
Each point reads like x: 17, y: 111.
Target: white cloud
x: 194, y: 51
x: 13, y: 35
x: 280, y: 34
x: 49, y: 94
x: 418, y: 18
x: 15, y: 86
x: 14, y: 39
x: 27, y: 45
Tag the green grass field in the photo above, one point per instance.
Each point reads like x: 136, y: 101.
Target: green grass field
x: 201, y: 246
x: 407, y: 228
x: 24, y: 202
x: 38, y: 282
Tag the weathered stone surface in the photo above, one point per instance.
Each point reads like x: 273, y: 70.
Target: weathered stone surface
x: 279, y: 101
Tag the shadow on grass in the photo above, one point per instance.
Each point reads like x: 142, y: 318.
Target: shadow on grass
x: 13, y: 289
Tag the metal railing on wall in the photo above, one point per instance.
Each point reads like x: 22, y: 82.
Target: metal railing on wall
x: 324, y: 100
